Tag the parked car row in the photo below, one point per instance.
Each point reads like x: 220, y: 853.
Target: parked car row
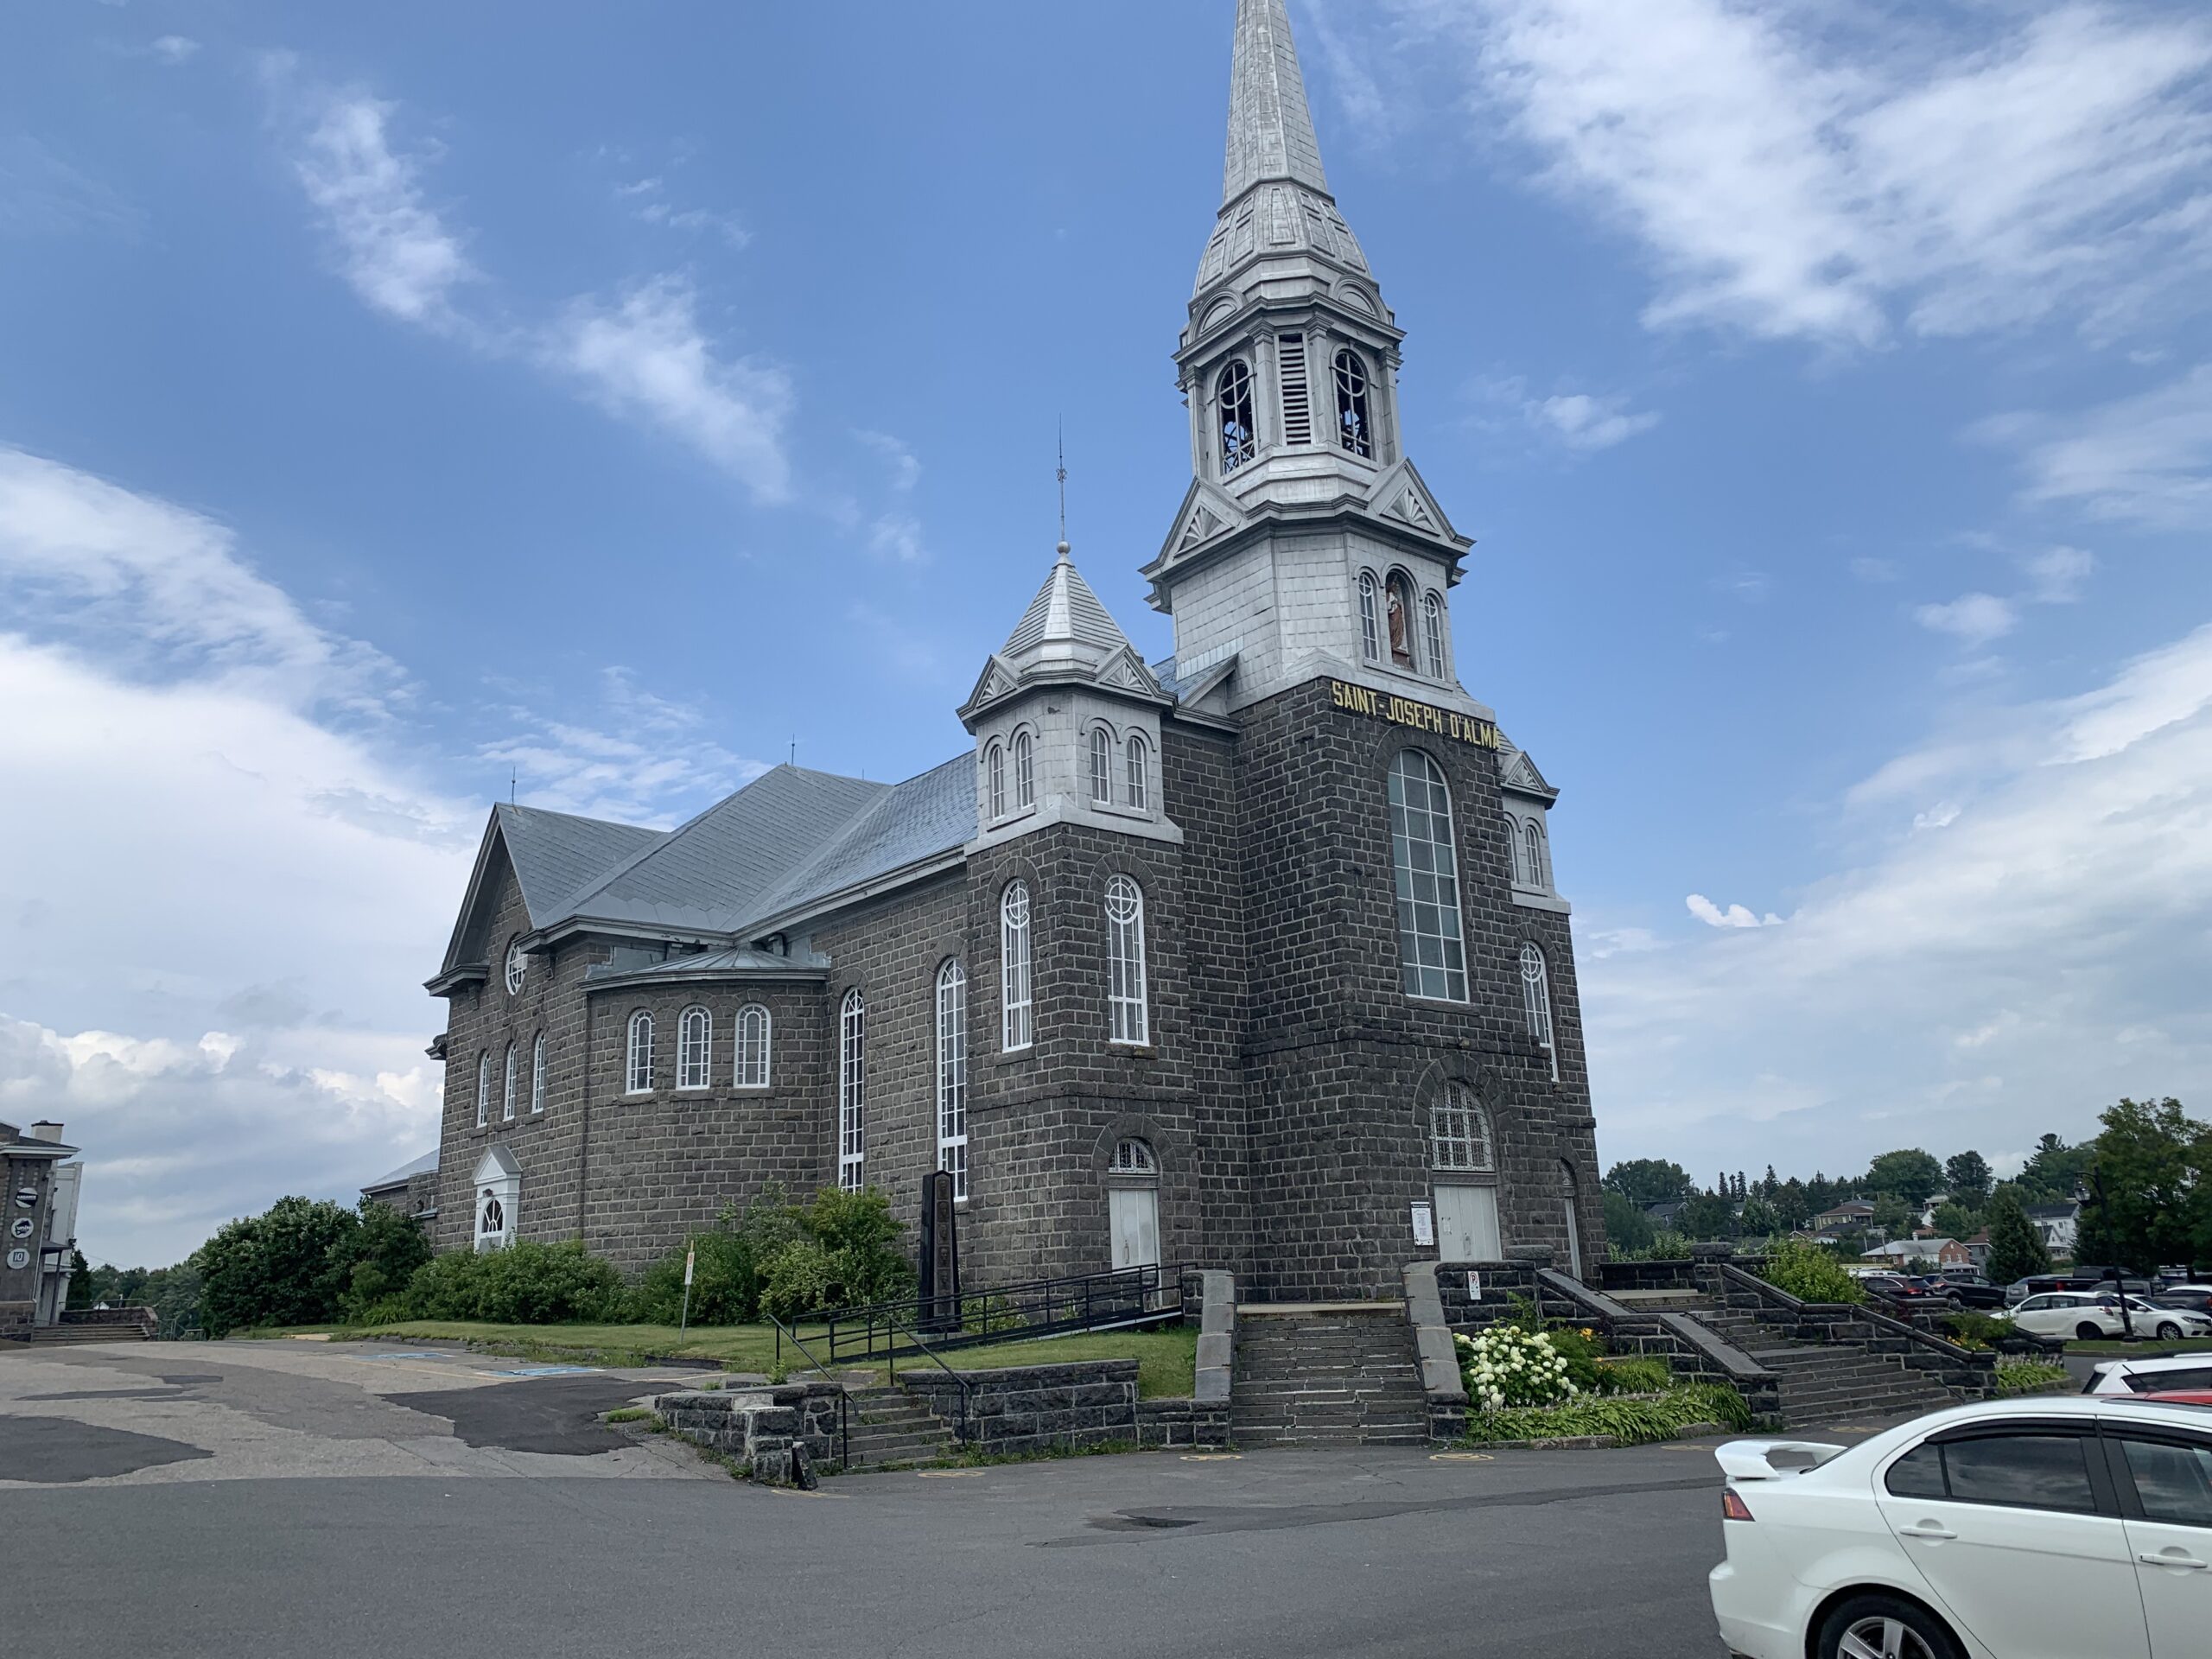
x: 2089, y: 1317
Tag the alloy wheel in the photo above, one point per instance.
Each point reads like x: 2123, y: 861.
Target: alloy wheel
x: 1883, y: 1638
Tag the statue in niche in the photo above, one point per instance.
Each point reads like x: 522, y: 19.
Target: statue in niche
x: 1401, y: 644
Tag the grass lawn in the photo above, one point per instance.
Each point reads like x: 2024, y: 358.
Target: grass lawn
x: 1167, y: 1359
x: 2149, y: 1348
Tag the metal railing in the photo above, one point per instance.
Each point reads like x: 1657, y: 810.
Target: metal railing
x: 891, y: 1365
x: 1023, y: 1312
x: 844, y: 1399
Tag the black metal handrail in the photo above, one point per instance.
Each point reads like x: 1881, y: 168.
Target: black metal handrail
x: 891, y: 1365
x: 844, y: 1399
x: 1023, y: 1313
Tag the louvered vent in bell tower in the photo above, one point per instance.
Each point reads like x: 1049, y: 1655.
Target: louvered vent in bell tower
x: 1297, y: 401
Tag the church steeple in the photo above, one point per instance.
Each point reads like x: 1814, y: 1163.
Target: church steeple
x: 1289, y: 366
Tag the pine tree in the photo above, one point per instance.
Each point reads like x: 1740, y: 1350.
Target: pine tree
x: 2016, y: 1249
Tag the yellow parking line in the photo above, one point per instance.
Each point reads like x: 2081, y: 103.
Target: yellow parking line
x: 1461, y: 1457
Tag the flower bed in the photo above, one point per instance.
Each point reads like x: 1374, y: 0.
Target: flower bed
x: 1619, y: 1419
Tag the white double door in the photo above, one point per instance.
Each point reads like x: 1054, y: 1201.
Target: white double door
x: 1133, y: 1213
x: 1467, y: 1224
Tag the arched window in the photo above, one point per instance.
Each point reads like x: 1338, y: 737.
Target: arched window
x: 1539, y: 865
x: 996, y: 766
x: 1134, y: 1157
x: 638, y: 1072
x: 538, y: 1075
x: 507, y: 1090
x: 490, y: 1222
x: 1398, y: 601
x: 1431, y: 624
x: 1459, y: 1132
x: 1432, y: 958
x: 1014, y: 966
x: 1516, y: 853
x: 952, y: 1075
x: 1025, y: 775
x: 852, y: 1091
x: 1139, y: 781
x: 1536, y: 1001
x: 518, y: 968
x: 1353, y: 430
x: 1232, y: 404
x: 1101, y: 766
x: 1371, y: 634
x: 695, y: 1043
x: 1126, y: 1003
x: 752, y: 1047
x: 483, y: 1089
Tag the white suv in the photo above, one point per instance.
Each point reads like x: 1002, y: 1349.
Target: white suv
x: 2151, y: 1375
x: 2068, y: 1313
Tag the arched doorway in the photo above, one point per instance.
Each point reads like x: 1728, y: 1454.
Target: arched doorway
x: 1133, y: 1204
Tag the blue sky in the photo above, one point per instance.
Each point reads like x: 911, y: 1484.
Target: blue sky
x: 395, y: 402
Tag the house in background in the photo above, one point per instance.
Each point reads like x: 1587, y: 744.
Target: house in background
x: 1853, y: 1213
x: 2058, y: 1224
x: 412, y: 1189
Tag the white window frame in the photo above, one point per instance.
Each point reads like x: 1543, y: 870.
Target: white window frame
x: 1025, y: 773
x: 1432, y: 619
x: 1536, y: 1000
x: 1017, y: 1016
x: 952, y: 1075
x: 749, y: 1069
x: 507, y: 1089
x: 1459, y: 1121
x: 1540, y: 863
x: 1133, y: 1155
x: 1515, y: 856
x: 1129, y: 1013
x: 695, y: 1049
x: 1436, y: 897
x: 852, y: 1091
x: 1101, y: 766
x: 1139, y: 774
x: 637, y: 1056
x: 538, y: 1075
x: 995, y: 771
x: 484, y: 1090
x: 517, y: 968
x: 1371, y: 637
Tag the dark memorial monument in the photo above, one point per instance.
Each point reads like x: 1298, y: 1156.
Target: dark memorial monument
x: 939, y: 1308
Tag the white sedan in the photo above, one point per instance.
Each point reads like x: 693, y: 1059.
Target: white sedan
x: 2077, y: 1527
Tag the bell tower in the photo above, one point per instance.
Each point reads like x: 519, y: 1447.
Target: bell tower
x: 1307, y: 543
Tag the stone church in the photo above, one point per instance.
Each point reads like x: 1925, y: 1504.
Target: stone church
x: 1250, y: 958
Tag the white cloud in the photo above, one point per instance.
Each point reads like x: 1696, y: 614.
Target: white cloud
x: 1800, y: 171
x: 2066, y: 913
x: 2058, y: 574
x: 2144, y: 460
x: 1589, y: 423
x: 1735, y: 916
x: 648, y: 202
x: 392, y: 247
x: 647, y: 357
x: 1977, y: 619
x: 174, y: 48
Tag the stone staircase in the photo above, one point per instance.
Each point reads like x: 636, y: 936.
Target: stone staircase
x: 1326, y: 1373
x: 891, y: 1426
x: 1823, y: 1385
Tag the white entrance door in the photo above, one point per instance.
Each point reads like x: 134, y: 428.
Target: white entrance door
x: 1467, y: 1224
x: 1134, y: 1213
x: 1574, y: 1240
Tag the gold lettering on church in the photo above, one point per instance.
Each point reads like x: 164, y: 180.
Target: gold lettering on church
x: 1371, y: 704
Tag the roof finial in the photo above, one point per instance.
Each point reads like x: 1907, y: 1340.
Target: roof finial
x: 1063, y: 476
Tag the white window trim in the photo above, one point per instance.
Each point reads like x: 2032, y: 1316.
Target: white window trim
x: 852, y: 1092
x: 1025, y: 772
x: 764, y: 1071
x: 1536, y: 1000
x: 690, y: 1065
x: 1017, y: 970
x: 1451, y: 911
x: 507, y: 1089
x: 538, y: 1075
x: 484, y: 1090
x: 638, y: 1057
x: 1128, y: 992
x: 952, y: 1074
x: 1457, y: 1101
x: 1433, y: 635
x: 1370, y: 623
x: 1137, y: 773
x: 517, y: 968
x: 1098, y: 765
x: 1133, y: 1155
x: 995, y: 781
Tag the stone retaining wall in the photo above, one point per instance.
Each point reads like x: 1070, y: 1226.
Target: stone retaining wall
x: 1185, y: 1425
x: 1037, y: 1407
x: 756, y: 1428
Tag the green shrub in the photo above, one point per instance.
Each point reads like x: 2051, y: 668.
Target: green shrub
x: 1971, y: 1330
x: 988, y: 1314
x: 732, y: 1267
x: 1581, y: 1347
x: 1633, y: 1422
x: 2029, y: 1376
x: 1635, y: 1375
x: 1811, y: 1273
x: 526, y: 1283
x: 847, y: 1253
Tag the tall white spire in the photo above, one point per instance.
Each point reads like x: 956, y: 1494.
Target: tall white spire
x: 1270, y: 128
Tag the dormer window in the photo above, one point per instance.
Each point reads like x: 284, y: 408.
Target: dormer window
x: 1140, y: 775
x: 1101, y: 766
x: 1233, y: 411
x: 995, y: 766
x: 1353, y: 430
x: 1024, y: 773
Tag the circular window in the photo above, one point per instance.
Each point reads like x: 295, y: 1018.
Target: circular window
x: 517, y: 968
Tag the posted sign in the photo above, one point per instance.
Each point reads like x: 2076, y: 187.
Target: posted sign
x: 690, y: 1260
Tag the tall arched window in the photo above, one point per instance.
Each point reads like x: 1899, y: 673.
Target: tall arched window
x: 1101, y: 766
x: 695, y: 1043
x: 1371, y: 634
x: 1129, y: 1015
x: 752, y: 1047
x: 1432, y: 958
x: 1353, y: 430
x: 483, y: 1089
x: 1515, y: 853
x: 1014, y: 966
x: 996, y: 765
x: 538, y: 1075
x: 1539, y: 865
x: 507, y: 1090
x: 852, y: 1091
x: 1139, y: 781
x: 1024, y: 774
x: 952, y: 1075
x: 1432, y: 629
x: 1536, y: 1001
x: 637, y: 1071
x: 1398, y: 602
x: 1232, y: 404
x: 1459, y: 1132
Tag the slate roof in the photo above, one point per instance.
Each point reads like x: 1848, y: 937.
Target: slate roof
x: 933, y: 813
x: 1065, y: 608
x: 737, y: 959
x: 425, y: 1165
x: 556, y: 853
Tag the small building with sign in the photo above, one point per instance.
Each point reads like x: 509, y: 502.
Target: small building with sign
x: 38, y: 1241
x: 1252, y: 956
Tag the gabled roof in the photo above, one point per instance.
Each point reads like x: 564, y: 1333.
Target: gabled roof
x: 554, y: 854
x: 932, y: 814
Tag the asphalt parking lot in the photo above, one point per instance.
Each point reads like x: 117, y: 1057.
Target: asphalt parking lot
x: 277, y: 1499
